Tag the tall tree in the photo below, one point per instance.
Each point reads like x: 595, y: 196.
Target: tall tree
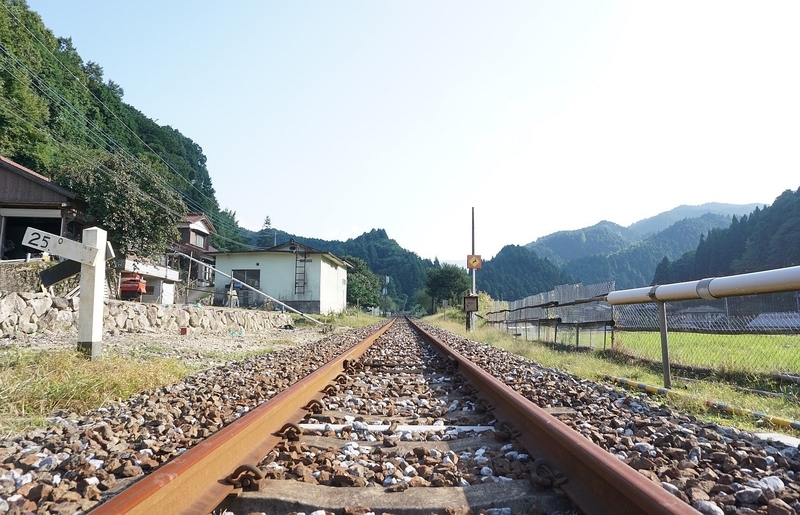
x: 140, y: 214
x: 663, y: 273
x: 363, y: 286
x: 449, y: 283
x: 266, y: 236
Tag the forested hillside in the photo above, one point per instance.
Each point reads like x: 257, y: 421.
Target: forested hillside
x: 766, y: 239
x: 61, y: 118
x: 563, y: 246
x: 605, y: 238
x: 634, y: 266
x: 649, y: 226
x: 603, y: 252
x: 515, y: 273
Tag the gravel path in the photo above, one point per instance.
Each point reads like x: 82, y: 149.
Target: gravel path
x: 201, y: 349
x: 72, y: 465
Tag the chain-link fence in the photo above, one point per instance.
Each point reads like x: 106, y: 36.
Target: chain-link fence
x: 746, y: 336
x: 749, y: 335
x: 571, y: 315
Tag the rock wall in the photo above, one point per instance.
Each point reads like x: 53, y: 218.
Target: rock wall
x: 23, y: 313
x: 21, y: 276
x: 25, y: 277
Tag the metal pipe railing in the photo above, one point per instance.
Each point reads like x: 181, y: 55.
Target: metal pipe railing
x: 769, y: 281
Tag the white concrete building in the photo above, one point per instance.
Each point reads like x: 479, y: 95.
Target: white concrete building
x: 307, y: 279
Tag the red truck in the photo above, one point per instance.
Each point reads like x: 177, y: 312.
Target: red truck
x: 132, y: 286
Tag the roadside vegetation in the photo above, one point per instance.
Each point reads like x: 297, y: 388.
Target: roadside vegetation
x: 349, y: 318
x: 33, y: 384
x: 593, y: 366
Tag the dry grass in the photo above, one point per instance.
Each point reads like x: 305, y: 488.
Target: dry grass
x: 351, y: 318
x: 34, y: 384
x: 591, y: 366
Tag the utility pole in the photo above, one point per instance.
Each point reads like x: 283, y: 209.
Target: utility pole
x: 473, y: 263
x: 472, y: 317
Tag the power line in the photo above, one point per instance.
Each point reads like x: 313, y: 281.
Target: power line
x: 19, y: 114
x: 58, y: 99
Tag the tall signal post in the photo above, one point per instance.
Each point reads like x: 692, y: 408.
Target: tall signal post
x: 473, y: 263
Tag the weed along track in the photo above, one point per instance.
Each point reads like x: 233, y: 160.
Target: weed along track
x: 398, y: 418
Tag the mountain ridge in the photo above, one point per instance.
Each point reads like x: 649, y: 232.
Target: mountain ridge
x: 606, y: 238
x: 661, y: 221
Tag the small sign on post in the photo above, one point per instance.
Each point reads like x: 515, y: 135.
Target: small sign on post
x: 90, y: 254
x: 474, y: 261
x: 470, y: 303
x: 470, y: 307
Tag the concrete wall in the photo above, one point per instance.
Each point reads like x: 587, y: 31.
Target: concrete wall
x: 27, y: 313
x: 333, y: 293
x: 326, y: 283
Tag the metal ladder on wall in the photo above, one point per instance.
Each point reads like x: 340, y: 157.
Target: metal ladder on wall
x: 300, y: 272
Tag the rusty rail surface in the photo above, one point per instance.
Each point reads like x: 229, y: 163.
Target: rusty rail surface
x: 597, y: 482
x: 195, y: 481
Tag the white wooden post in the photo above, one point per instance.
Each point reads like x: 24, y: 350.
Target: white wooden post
x: 90, y: 315
x: 91, y: 254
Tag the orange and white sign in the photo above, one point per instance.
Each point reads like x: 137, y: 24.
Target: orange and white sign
x: 473, y: 261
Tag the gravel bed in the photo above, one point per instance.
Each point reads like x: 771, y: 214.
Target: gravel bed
x: 399, y: 382
x: 716, y: 469
x: 400, y: 419
x: 70, y: 466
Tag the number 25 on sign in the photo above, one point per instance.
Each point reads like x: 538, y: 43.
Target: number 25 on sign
x: 60, y: 246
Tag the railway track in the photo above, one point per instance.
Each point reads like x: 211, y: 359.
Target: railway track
x: 405, y: 415
x: 400, y: 421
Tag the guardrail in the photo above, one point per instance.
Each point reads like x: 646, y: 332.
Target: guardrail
x: 744, y: 323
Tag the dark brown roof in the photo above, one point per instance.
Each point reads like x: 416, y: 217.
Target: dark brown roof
x: 191, y: 218
x: 21, y: 185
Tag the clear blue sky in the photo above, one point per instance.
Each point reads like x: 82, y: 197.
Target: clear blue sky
x: 334, y: 118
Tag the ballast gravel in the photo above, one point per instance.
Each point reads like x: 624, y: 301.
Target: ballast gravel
x: 70, y: 466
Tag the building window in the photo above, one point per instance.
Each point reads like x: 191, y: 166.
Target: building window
x: 199, y: 240
x: 246, y: 296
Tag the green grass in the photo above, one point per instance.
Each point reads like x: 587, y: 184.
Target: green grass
x: 34, y: 384
x: 350, y: 318
x: 593, y: 366
x: 744, y: 353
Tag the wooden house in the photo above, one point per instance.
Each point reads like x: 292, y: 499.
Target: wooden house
x: 29, y: 199
x: 196, y: 230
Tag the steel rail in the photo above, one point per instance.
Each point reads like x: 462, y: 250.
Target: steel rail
x: 598, y: 483
x: 194, y: 482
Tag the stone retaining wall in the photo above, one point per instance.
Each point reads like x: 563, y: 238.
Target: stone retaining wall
x: 24, y: 313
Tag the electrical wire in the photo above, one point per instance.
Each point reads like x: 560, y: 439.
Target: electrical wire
x: 20, y: 115
x: 107, y: 140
